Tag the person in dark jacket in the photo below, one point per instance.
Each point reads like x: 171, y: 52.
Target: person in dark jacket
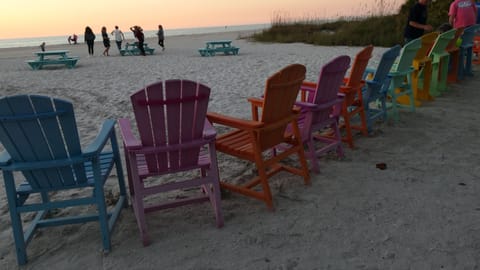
x: 89, y: 39
x: 138, y: 33
x: 417, y: 21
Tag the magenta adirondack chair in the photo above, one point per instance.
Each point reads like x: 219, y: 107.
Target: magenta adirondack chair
x: 321, y: 110
x: 174, y: 137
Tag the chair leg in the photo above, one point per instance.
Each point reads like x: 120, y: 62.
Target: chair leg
x: 312, y: 155
x: 215, y: 198
x: 101, y: 207
x: 267, y: 194
x: 348, y: 129
x: 363, y: 119
x: 338, y: 137
x: 17, y: 228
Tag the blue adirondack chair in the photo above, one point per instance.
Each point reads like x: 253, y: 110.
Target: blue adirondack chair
x: 466, y: 51
x: 400, y: 89
x: 377, y: 82
x: 40, y: 138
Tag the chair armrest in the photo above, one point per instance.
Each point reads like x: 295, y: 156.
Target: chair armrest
x: 5, y: 158
x: 345, y: 89
x: 256, y: 104
x: 232, y: 121
x: 369, y: 73
x: 255, y: 101
x: 209, y: 131
x: 97, y: 145
x: 307, y: 87
x: 129, y: 140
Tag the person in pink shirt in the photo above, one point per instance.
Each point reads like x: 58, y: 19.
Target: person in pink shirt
x: 462, y: 13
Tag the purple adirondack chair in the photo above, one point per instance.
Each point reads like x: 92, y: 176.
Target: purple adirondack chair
x: 174, y: 137
x: 320, y: 110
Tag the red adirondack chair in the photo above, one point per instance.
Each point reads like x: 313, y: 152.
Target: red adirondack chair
x: 251, y: 139
x: 174, y: 137
x: 321, y: 111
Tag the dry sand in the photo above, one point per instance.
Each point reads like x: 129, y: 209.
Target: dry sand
x: 422, y: 212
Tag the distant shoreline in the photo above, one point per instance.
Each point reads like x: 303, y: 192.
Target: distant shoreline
x: 62, y: 40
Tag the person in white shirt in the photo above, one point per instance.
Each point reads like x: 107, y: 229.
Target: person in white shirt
x: 119, y: 37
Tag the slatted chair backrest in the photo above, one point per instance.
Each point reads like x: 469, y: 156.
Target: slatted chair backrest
x: 386, y: 63
x: 427, y: 42
x: 354, y: 82
x: 38, y: 129
x: 172, y: 115
x: 452, y: 45
x: 355, y: 79
x: 407, y: 54
x: 329, y: 81
x: 281, y: 91
x: 439, y: 48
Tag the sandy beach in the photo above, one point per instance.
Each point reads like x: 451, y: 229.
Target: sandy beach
x: 421, y: 212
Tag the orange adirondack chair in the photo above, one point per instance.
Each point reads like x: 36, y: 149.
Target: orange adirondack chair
x: 454, y: 51
x: 252, y: 139
x: 353, y: 101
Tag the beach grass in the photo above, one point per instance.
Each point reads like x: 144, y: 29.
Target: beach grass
x: 381, y: 26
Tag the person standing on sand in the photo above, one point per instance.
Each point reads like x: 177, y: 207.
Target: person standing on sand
x: 119, y: 37
x: 417, y: 21
x: 462, y: 13
x: 89, y: 39
x: 161, y: 37
x: 106, y: 41
x: 138, y: 33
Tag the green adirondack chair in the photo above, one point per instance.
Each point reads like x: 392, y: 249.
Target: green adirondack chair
x: 440, y: 58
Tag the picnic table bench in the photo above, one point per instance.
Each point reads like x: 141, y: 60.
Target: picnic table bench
x: 132, y: 49
x: 218, y: 46
x: 58, y: 57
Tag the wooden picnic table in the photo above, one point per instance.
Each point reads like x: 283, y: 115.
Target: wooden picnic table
x: 217, y: 46
x: 45, y: 58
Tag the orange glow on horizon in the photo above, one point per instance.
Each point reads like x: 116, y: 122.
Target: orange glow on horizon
x: 33, y: 18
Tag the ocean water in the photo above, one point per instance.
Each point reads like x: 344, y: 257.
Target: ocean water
x: 57, y: 40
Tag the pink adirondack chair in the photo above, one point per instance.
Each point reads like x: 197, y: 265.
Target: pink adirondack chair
x: 320, y: 110
x: 174, y: 137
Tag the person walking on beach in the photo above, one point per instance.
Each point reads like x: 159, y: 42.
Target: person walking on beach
x: 161, y: 37
x: 138, y: 33
x: 42, y: 46
x: 106, y: 41
x: 119, y: 37
x: 417, y: 21
x: 89, y: 39
x: 462, y: 13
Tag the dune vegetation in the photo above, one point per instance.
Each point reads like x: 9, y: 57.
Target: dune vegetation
x: 382, y: 27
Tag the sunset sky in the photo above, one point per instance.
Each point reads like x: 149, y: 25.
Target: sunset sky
x: 33, y: 18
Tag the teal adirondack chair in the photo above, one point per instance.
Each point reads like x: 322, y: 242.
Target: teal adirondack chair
x: 400, y: 89
x: 440, y: 59
x: 40, y: 138
x: 377, y: 82
x: 466, y: 52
